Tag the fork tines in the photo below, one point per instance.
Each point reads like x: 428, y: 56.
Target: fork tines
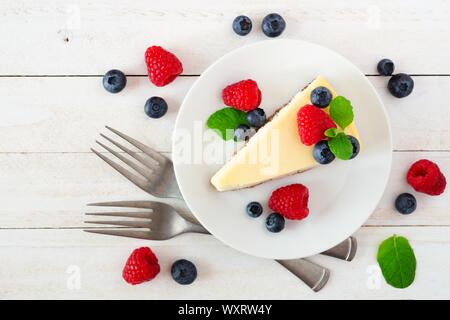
x: 143, y: 219
x: 146, y: 168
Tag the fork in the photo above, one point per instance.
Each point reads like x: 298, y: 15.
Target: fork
x: 155, y: 174
x: 163, y: 222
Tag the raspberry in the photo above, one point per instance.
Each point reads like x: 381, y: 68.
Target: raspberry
x: 312, y: 123
x: 290, y: 201
x: 425, y: 176
x: 243, y: 95
x: 142, y: 265
x: 162, y: 66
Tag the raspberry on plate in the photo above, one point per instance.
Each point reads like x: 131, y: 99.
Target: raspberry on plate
x: 290, y: 201
x: 312, y: 122
x: 243, y: 95
x: 425, y: 176
x: 142, y: 265
x: 162, y: 66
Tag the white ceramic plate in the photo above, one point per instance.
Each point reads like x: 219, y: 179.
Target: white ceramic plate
x: 343, y: 194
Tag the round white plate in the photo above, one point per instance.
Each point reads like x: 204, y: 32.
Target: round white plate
x: 343, y: 194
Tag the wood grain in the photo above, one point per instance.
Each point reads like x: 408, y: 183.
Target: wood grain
x: 53, y: 107
x: 67, y: 114
x: 81, y: 37
x: 49, y: 260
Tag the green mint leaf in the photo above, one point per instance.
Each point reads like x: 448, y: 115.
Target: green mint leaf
x: 341, y: 146
x: 330, y: 133
x: 225, y: 120
x: 397, y: 261
x: 341, y: 111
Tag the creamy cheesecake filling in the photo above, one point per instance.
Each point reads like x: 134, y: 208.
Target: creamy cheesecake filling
x: 275, y: 150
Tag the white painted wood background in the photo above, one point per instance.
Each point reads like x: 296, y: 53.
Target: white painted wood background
x: 53, y: 106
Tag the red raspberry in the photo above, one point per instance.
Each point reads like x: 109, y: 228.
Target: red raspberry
x: 290, y: 201
x: 243, y: 95
x: 142, y: 265
x: 425, y: 176
x: 312, y: 122
x: 163, y: 66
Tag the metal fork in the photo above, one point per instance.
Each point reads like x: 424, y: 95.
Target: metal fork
x: 154, y: 172
x: 163, y: 222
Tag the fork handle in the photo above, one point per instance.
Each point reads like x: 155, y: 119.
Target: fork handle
x: 345, y: 250
x: 313, y: 275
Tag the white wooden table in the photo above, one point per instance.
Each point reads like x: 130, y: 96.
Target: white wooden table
x: 52, y: 107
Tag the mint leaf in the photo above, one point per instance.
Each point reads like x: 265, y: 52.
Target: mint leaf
x: 397, y: 261
x: 341, y: 146
x: 330, y: 133
x: 341, y: 111
x: 225, y: 120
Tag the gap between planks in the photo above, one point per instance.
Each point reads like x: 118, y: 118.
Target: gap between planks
x: 169, y: 152
x: 181, y: 75
x: 126, y: 228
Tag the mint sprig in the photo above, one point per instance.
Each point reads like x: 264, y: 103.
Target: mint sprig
x: 397, y: 261
x: 341, y: 146
x: 341, y: 111
x: 331, y: 132
x: 225, y: 120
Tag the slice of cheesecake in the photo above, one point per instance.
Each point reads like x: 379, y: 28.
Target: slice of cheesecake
x: 275, y: 150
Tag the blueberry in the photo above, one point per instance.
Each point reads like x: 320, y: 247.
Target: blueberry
x: 183, y: 271
x: 400, y: 85
x: 322, y: 153
x: 275, y: 222
x: 385, y: 67
x: 155, y: 107
x: 273, y: 25
x: 242, y: 25
x: 254, y: 209
x: 356, y: 146
x: 405, y: 203
x: 321, y: 97
x: 243, y: 132
x: 114, y: 81
x: 256, y: 118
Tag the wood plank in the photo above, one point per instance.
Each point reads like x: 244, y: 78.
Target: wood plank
x: 48, y: 190
x: 430, y: 210
x: 419, y: 121
x: 50, y: 260
x: 67, y: 114
x: 81, y: 37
